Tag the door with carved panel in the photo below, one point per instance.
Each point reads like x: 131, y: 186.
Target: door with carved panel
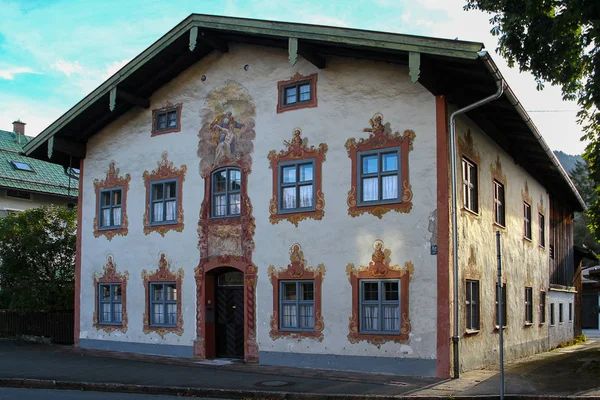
x: 229, y: 302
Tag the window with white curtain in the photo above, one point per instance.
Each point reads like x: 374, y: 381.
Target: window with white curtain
x: 378, y: 176
x: 163, y: 304
x: 297, y: 186
x: 226, y: 196
x: 297, y: 305
x: 110, y: 307
x: 380, y: 306
x: 163, y: 202
x: 110, y: 208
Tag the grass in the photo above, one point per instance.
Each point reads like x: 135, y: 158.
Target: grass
x: 577, y: 340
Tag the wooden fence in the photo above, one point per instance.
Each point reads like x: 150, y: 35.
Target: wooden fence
x: 57, y: 326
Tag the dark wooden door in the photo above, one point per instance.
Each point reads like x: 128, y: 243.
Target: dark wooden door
x: 590, y: 318
x: 230, y: 321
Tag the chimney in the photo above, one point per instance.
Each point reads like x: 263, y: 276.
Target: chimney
x: 19, y: 127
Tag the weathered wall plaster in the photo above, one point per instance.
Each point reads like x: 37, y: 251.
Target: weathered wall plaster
x: 560, y: 331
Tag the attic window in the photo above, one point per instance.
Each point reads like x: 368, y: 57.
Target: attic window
x: 166, y: 120
x: 72, y: 172
x: 21, y: 166
x: 298, y: 92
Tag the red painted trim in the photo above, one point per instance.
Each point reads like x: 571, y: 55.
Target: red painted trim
x: 313, y: 102
x: 443, y: 230
x: 77, y: 307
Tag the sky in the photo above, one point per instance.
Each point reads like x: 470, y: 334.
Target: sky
x: 55, y: 52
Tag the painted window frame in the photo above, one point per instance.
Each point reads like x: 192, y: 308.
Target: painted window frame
x: 504, y: 307
x: 281, y: 185
x: 111, y: 301
x: 542, y: 307
x: 227, y: 192
x: 166, y: 110
x: 165, y: 303
x: 112, y: 181
x: 472, y: 306
x: 499, y: 204
x: 542, y: 229
x: 177, y: 199
x: 297, y: 81
x: 379, y: 175
x: 297, y: 303
x: 380, y: 303
x: 110, y: 207
x: 552, y: 317
x: 470, y: 185
x: 528, y: 305
x: 527, y: 231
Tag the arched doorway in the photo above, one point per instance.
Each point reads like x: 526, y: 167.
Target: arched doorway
x: 229, y: 313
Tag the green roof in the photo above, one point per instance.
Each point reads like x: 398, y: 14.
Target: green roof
x: 45, y: 178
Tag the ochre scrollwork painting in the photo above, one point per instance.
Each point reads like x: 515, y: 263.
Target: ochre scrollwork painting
x: 379, y: 268
x: 112, y: 181
x: 496, y: 171
x: 162, y: 275
x: 297, y: 270
x: 110, y: 275
x: 164, y: 171
x: 381, y: 137
x: 297, y: 150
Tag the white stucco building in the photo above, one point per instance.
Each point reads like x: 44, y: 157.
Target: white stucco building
x: 280, y: 193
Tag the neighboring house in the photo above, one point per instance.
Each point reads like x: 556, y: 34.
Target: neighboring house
x: 280, y: 193
x: 591, y: 298
x: 26, y: 182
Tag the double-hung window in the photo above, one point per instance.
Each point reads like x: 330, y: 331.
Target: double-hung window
x: 163, y: 304
x: 552, y: 318
x: 296, y: 186
x: 542, y: 307
x: 110, y: 208
x: 542, y: 222
x: 503, y: 310
x: 470, y: 195
x: 380, y: 306
x: 472, y: 305
x: 379, y: 173
x: 226, y: 196
x: 570, y: 312
x: 297, y: 305
x: 527, y: 221
x: 296, y: 93
x: 560, y: 313
x: 163, y: 202
x: 110, y: 307
x: 528, y: 305
x: 499, y: 212
x: 167, y: 120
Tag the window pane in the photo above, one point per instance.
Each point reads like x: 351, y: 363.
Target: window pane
x: 390, y: 290
x: 306, y: 173
x: 289, y: 198
x: 289, y: 291
x: 170, y: 211
x: 369, y: 164
x: 220, y: 205
x: 171, y: 318
x: 158, y: 316
x: 117, y: 292
x: 391, y: 318
x: 106, y: 312
x: 389, y: 187
x: 105, y: 292
x: 390, y: 162
x: 116, y: 198
x: 306, y: 291
x: 304, y: 92
x: 162, y: 121
x: 105, y: 199
x: 289, y: 318
x: 307, y: 318
x: 117, y: 312
x: 370, y: 318
x: 370, y: 188
x: 289, y: 174
x: 157, y: 191
x: 172, y: 117
x: 370, y: 291
x: 290, y: 95
x: 234, y: 204
x: 157, y: 292
x: 220, y: 181
x: 105, y: 218
x: 157, y: 212
x: 306, y: 196
x: 235, y: 180
x: 170, y: 190
x: 171, y: 291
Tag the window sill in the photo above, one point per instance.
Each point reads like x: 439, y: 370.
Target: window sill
x: 290, y: 211
x: 525, y: 238
x: 542, y: 247
x: 542, y: 323
x: 162, y: 326
x: 472, y: 332
x: 497, y: 225
x: 110, y: 228
x: 162, y: 223
x: 497, y: 328
x: 528, y: 324
x: 226, y: 216
x: 378, y: 203
x: 379, y: 333
x: 473, y: 213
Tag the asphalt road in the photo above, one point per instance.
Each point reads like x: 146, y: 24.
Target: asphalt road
x: 44, y: 394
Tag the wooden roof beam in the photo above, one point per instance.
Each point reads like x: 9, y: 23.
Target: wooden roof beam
x: 217, y: 43
x: 311, y: 55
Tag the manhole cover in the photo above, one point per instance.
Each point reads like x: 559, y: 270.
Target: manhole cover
x: 274, y: 383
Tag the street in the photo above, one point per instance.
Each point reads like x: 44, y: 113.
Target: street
x: 45, y: 394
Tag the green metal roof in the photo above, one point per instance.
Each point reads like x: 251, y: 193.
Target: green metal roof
x: 46, y: 177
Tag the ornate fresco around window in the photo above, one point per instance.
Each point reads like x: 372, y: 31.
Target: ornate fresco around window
x: 226, y: 140
x: 110, y: 275
x: 496, y: 171
x: 163, y: 274
x: 165, y: 170
x: 381, y: 137
x: 526, y: 196
x: 297, y: 270
x: 467, y: 148
x: 167, y: 107
x: 540, y: 206
x: 298, y: 149
x: 380, y: 268
x: 112, y: 180
x: 472, y: 270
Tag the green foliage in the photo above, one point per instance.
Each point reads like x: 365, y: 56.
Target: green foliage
x: 557, y: 41
x: 581, y: 339
x: 581, y: 231
x: 37, y: 259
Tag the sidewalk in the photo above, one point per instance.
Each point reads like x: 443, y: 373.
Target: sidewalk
x: 565, y: 372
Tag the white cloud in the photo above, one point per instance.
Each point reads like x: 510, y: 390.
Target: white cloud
x: 324, y: 20
x: 68, y: 68
x: 113, y: 68
x: 9, y: 73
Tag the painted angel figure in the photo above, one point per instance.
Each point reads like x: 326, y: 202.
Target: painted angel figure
x: 224, y: 126
x: 376, y: 124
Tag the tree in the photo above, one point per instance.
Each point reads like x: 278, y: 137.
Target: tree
x: 37, y: 259
x: 581, y: 231
x: 558, y: 41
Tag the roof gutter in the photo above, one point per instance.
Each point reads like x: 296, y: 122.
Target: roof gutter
x: 483, y: 55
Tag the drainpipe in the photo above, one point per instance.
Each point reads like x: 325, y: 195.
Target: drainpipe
x: 484, y: 56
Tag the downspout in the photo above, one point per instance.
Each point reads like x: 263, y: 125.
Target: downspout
x: 484, y: 56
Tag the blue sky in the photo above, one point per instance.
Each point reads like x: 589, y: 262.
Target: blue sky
x: 54, y: 52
